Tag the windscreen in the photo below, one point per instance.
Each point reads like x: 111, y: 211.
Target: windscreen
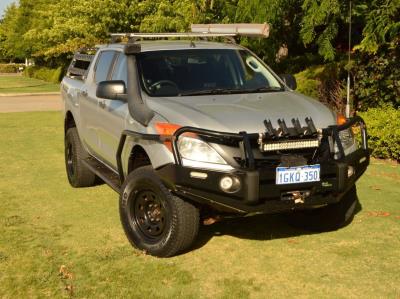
x: 204, y: 71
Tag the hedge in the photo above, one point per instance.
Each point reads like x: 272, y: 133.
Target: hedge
x: 44, y: 73
x: 10, y: 68
x: 383, y: 126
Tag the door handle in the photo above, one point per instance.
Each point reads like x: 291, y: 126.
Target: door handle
x: 84, y: 93
x: 102, y: 104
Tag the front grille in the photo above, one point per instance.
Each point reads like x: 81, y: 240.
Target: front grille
x: 294, y: 157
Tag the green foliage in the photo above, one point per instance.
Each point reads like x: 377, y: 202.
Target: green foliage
x: 51, y: 30
x: 382, y: 25
x: 308, y: 87
x: 322, y: 15
x: 296, y: 64
x: 323, y: 82
x: 284, y: 17
x: 44, y: 73
x: 10, y: 68
x: 307, y: 82
x: 377, y: 78
x: 384, y: 132
x: 11, y: 29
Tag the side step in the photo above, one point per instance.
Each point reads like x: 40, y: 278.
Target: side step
x: 110, y: 177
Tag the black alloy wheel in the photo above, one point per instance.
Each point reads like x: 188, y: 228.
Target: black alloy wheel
x: 149, y: 214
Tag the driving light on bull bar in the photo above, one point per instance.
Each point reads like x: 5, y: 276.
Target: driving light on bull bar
x: 350, y: 171
x: 289, y: 145
x: 229, y: 184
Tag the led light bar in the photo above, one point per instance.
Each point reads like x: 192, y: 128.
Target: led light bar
x: 254, y: 30
x: 289, y: 145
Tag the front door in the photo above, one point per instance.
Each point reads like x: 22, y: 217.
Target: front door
x: 115, y: 113
x: 91, y: 106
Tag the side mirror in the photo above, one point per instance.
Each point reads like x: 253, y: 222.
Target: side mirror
x: 112, y: 90
x: 289, y: 80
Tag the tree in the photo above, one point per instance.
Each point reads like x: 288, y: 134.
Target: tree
x: 17, y: 20
x: 377, y: 67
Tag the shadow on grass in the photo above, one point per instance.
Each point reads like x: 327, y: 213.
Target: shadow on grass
x: 260, y: 227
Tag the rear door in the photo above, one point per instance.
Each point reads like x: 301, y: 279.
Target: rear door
x: 116, y: 115
x: 90, y: 103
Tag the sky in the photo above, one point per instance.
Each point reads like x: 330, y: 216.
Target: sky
x: 4, y: 4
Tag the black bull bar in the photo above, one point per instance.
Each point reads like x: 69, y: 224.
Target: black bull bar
x: 245, y: 139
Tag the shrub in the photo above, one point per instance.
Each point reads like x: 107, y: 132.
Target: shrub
x: 323, y: 82
x: 384, y: 132
x: 28, y: 71
x: 44, y: 73
x: 307, y: 86
x: 307, y: 81
x: 10, y: 68
x: 377, y: 78
x: 296, y: 64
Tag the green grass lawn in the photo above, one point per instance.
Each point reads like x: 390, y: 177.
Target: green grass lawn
x: 21, y: 84
x: 46, y: 225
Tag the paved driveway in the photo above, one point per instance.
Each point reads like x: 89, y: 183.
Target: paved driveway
x: 30, y: 103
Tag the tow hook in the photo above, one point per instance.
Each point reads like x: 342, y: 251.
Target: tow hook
x: 297, y: 196
x: 212, y: 219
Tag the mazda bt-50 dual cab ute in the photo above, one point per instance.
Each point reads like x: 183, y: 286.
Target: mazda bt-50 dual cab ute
x: 184, y: 130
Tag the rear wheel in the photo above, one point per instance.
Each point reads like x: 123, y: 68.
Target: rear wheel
x: 153, y: 219
x: 331, y: 217
x: 78, y: 174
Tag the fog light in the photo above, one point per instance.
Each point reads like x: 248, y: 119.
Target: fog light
x: 350, y: 171
x: 229, y: 184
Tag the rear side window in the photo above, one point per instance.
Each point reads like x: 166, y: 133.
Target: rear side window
x: 103, y: 65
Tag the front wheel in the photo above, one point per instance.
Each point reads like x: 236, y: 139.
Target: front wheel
x: 331, y: 217
x: 153, y: 219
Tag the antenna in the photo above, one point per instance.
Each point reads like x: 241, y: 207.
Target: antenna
x: 348, y: 70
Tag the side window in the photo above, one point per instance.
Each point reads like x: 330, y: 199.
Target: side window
x: 120, y: 69
x: 103, y: 65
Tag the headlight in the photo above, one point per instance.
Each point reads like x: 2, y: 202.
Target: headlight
x: 347, y: 138
x: 348, y: 142
x: 197, y: 153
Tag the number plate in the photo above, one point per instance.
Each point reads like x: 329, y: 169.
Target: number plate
x: 298, y: 174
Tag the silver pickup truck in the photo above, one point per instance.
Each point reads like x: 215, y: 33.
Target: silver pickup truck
x: 185, y: 129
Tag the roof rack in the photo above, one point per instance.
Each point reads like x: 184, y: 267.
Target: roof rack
x: 132, y: 37
x: 204, y: 31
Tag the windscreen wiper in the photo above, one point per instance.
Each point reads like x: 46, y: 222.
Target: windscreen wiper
x: 208, y: 91
x: 265, y: 89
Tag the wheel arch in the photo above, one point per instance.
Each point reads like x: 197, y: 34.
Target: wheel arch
x: 69, y: 121
x: 138, y: 157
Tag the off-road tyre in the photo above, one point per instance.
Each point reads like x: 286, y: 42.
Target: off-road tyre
x: 330, y: 217
x: 77, y: 172
x: 154, y: 220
